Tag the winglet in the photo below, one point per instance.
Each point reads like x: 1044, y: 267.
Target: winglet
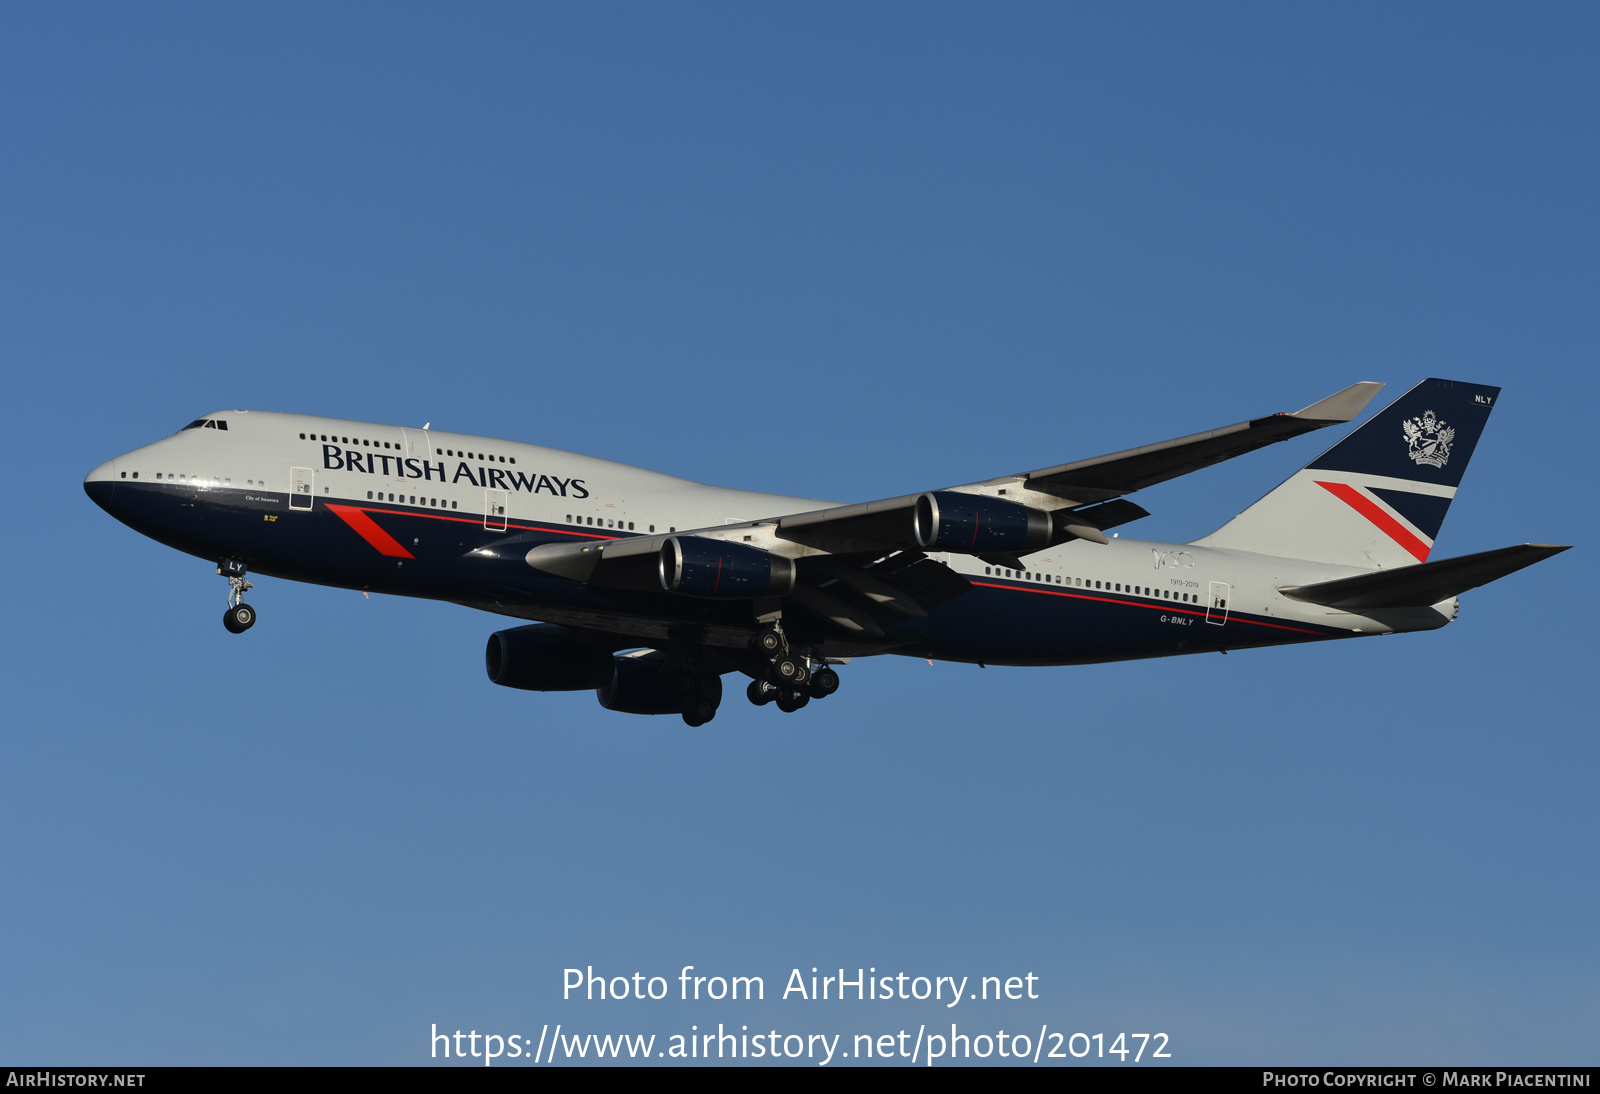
x: 1341, y: 406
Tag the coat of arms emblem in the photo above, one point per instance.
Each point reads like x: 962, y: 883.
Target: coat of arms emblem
x: 1429, y: 439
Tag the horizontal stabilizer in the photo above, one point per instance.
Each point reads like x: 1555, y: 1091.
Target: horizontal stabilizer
x: 1423, y: 584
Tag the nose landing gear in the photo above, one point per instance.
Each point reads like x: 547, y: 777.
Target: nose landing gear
x: 240, y: 616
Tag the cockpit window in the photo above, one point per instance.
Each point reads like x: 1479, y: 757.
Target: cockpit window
x: 206, y: 423
x: 196, y: 424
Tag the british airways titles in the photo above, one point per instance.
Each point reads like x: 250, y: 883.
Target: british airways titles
x: 335, y: 458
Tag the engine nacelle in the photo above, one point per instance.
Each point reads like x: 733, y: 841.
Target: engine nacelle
x: 639, y: 685
x: 973, y: 524
x: 545, y: 657
x: 699, y: 566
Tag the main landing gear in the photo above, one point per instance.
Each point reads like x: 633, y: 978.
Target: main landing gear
x: 788, y: 680
x: 240, y: 616
x: 702, y: 694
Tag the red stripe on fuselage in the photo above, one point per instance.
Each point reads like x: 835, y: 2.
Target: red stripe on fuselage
x: 368, y: 529
x: 1390, y: 527
x: 1169, y: 608
x: 512, y: 525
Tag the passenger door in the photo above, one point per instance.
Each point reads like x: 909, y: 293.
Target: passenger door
x: 1217, y: 606
x: 494, y: 510
x: 418, y: 446
x: 302, y: 484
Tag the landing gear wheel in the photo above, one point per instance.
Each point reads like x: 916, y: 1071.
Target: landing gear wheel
x: 790, y: 700
x: 239, y: 618
x: 760, y: 692
x: 768, y: 640
x: 789, y: 671
x: 824, y: 682
x: 701, y: 697
x: 700, y: 712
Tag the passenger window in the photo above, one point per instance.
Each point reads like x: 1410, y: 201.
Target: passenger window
x: 369, y: 495
x: 452, y: 505
x: 630, y: 523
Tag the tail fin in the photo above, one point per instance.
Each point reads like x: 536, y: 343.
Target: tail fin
x: 1377, y: 498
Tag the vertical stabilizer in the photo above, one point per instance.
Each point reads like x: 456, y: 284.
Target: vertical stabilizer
x: 1377, y: 498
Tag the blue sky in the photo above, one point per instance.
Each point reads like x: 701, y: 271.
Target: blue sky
x: 836, y: 251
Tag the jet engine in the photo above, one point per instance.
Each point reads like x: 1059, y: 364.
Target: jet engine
x: 545, y: 657
x: 699, y: 566
x: 641, y: 685
x: 971, y: 523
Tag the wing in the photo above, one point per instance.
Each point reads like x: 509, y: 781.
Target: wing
x: 1070, y: 491
x: 861, y: 567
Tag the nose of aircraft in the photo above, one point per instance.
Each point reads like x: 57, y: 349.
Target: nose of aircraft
x: 101, y: 486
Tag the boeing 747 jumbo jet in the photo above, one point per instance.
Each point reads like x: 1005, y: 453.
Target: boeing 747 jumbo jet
x: 650, y: 588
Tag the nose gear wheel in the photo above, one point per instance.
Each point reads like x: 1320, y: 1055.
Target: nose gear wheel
x: 240, y: 616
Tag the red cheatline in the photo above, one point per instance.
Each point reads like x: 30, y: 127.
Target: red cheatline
x: 368, y: 529
x: 1396, y: 531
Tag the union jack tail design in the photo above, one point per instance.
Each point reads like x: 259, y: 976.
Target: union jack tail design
x: 1377, y: 498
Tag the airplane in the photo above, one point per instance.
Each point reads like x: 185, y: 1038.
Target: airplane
x: 649, y: 588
